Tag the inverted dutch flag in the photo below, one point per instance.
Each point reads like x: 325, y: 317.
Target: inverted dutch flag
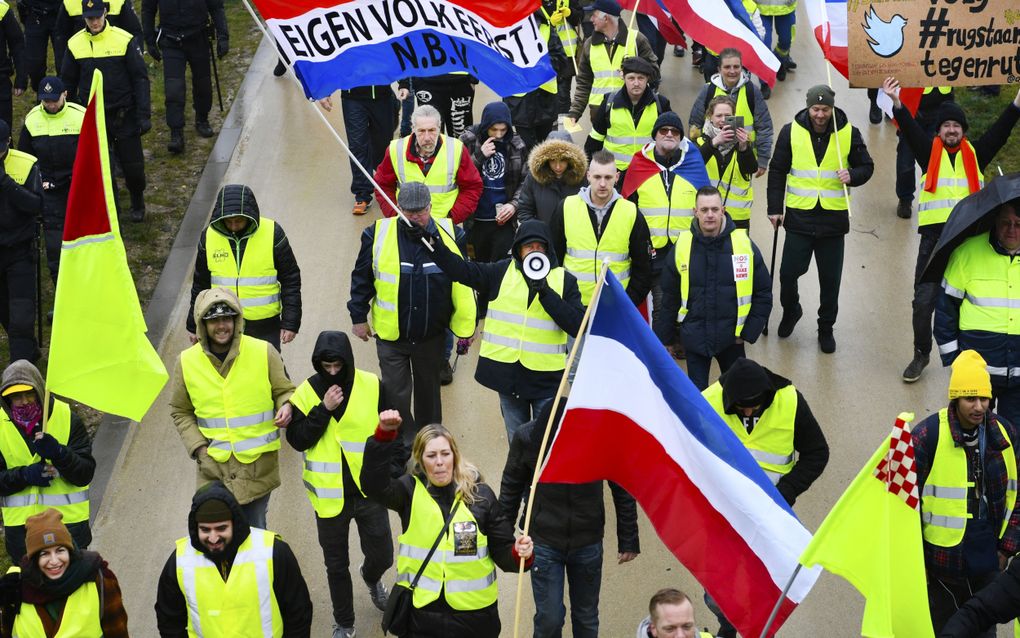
x: 342, y: 44
x: 828, y: 22
x: 634, y: 418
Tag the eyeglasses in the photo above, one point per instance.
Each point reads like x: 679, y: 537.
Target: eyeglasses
x: 1007, y: 224
x: 669, y: 130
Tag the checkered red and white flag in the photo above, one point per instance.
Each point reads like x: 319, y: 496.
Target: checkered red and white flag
x: 897, y: 469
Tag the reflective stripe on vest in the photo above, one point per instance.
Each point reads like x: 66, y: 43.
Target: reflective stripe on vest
x: 255, y: 280
x: 944, y: 495
x: 442, y: 177
x: 343, y: 441
x: 988, y: 285
x: 516, y: 331
x: 386, y: 267
x: 809, y: 183
x: 666, y: 217
x: 80, y: 617
x: 744, y: 280
x: 624, y: 138
x: 71, y: 500
x: 606, y: 75
x: 771, y: 440
x: 566, y: 33
x: 585, y: 253
x: 67, y: 121
x: 18, y: 165
x: 244, y: 604
x: 737, y: 192
x: 467, y: 582
x: 776, y: 7
x: 235, y: 413
x: 951, y: 187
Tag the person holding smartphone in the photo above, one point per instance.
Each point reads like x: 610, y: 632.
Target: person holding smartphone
x: 729, y: 158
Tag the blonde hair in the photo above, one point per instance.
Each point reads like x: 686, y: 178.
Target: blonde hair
x: 466, y: 476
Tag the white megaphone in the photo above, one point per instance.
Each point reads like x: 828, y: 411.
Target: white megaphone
x: 536, y: 266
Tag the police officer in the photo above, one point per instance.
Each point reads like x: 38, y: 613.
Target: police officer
x: 182, y: 39
x: 20, y: 206
x: 249, y: 254
x: 40, y: 20
x: 110, y: 49
x: 12, y: 62
x: 71, y: 20
x: 51, y: 133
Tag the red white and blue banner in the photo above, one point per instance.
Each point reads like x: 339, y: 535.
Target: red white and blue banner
x: 828, y: 22
x: 633, y: 417
x: 341, y: 44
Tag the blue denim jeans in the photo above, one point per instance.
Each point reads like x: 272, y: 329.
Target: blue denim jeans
x: 784, y: 30
x: 583, y: 568
x: 517, y: 412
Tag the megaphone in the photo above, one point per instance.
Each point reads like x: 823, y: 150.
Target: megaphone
x: 536, y: 266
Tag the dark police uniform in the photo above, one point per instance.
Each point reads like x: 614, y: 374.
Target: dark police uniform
x: 39, y: 18
x: 12, y: 46
x: 181, y: 40
x: 70, y: 21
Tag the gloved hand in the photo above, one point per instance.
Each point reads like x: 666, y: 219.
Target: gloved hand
x: 414, y: 231
x: 49, y: 448
x: 556, y: 18
x: 537, y: 286
x: 154, y: 52
x: 222, y: 48
x: 144, y: 126
x: 35, y: 474
x: 10, y: 589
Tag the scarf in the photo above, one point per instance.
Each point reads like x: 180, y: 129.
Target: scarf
x: 709, y: 130
x: 37, y: 589
x: 970, y: 166
x: 27, y: 416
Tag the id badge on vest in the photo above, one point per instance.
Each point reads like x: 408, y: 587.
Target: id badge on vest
x: 465, y: 538
x: 741, y: 267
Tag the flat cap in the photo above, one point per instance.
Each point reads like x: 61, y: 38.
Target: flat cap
x: 413, y: 196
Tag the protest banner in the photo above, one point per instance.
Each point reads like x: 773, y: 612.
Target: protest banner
x: 934, y: 43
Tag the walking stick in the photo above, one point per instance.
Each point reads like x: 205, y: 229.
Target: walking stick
x: 212, y: 56
x: 772, y: 267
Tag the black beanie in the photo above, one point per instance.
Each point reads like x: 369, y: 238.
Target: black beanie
x: 950, y: 111
x: 669, y: 118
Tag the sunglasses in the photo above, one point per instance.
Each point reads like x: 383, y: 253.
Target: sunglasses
x: 669, y: 130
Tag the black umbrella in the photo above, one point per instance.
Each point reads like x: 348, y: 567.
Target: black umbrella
x: 971, y: 216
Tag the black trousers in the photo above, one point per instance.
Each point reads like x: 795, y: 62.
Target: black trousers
x: 54, y: 211
x: 945, y: 596
x: 177, y: 56
x: 265, y: 329
x: 563, y: 85
x: 925, y: 294
x: 40, y: 31
x: 699, y: 365
x: 828, y: 254
x: 374, y: 534
x: 124, y: 136
x: 534, y: 135
x: 489, y: 242
x: 454, y: 101
x: 369, y: 124
x: 7, y: 101
x: 17, y: 299
x: 411, y: 372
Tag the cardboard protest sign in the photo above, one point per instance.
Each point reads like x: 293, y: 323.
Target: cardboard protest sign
x: 934, y: 42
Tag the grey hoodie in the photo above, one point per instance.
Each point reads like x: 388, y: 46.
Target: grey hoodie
x: 600, y: 211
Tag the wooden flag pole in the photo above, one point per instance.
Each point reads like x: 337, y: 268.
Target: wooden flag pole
x: 835, y: 132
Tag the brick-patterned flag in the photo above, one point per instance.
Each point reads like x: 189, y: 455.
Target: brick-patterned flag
x: 872, y: 538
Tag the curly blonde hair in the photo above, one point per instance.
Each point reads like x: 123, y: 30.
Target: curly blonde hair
x: 466, y: 476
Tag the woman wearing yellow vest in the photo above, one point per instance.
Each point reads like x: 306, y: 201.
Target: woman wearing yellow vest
x: 456, y: 594
x: 729, y: 160
x: 60, y: 590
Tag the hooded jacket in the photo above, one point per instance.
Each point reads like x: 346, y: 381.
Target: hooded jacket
x: 77, y: 467
x: 512, y: 149
x: 542, y: 190
x: 763, y: 128
x: 817, y: 222
x: 289, y: 586
x: 567, y: 311
x: 711, y: 320
x: 585, y: 75
x: 232, y: 199
x: 247, y: 481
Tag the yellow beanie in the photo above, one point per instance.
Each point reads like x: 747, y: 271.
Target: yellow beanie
x: 970, y: 377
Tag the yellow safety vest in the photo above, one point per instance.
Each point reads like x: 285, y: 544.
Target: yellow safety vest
x: 468, y: 582
x: 666, y: 217
x: 67, y: 121
x: 73, y: 7
x: 934, y: 208
x: 386, y: 267
x: 585, y: 252
x: 809, y: 182
x: 70, y: 500
x: 442, y: 177
x: 777, y: 7
x: 4, y: 8
x: 548, y: 86
x: 243, y: 605
x: 343, y: 441
x: 944, y: 495
x: 987, y: 285
x: 743, y: 107
x: 736, y: 190
x: 111, y: 42
x: 771, y: 440
x: 80, y: 618
x: 18, y: 165
x: 743, y: 277
x: 566, y: 33
x: 255, y: 280
x: 623, y: 138
x: 516, y: 331
x: 606, y: 75
x: 944, y: 90
x: 235, y: 413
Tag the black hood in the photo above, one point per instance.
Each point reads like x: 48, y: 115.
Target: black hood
x: 218, y: 491
x: 235, y: 200
x: 746, y: 379
x: 495, y: 113
x: 534, y: 230
x: 330, y: 346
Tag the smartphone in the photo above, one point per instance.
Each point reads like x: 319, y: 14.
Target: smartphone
x: 734, y: 121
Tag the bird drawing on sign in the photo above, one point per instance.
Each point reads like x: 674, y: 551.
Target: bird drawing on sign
x: 884, y: 38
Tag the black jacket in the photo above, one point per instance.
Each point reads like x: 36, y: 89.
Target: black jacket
x: 12, y: 49
x: 566, y: 311
x: 542, y: 190
x: 711, y: 321
x: 817, y: 222
x: 182, y: 19
x: 621, y: 100
x: 564, y: 517
x: 127, y: 19
x: 287, y: 271
x: 515, y: 150
x: 125, y: 79
x: 55, y: 153
x: 289, y: 586
x: 20, y: 206
x: 539, y: 107
x: 998, y: 603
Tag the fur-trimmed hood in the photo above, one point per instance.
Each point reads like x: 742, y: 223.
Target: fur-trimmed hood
x: 538, y: 162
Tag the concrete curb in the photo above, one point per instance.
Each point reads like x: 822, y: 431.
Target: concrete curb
x: 114, y: 431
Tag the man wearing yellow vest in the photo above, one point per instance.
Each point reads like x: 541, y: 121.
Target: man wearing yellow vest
x: 228, y: 577
x: 817, y: 158
x: 436, y: 160
x: 600, y: 57
x: 716, y: 286
x: 563, y: 17
x: 335, y: 411
x: 40, y: 470
x: 598, y: 224
x: 952, y: 167
x: 624, y: 121
x: 411, y: 303
x: 249, y: 254
x: 966, y: 461
x: 229, y: 399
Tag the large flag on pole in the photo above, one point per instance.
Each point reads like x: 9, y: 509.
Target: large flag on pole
x: 341, y: 44
x: 872, y: 538
x: 99, y: 353
x: 828, y: 23
x: 633, y: 417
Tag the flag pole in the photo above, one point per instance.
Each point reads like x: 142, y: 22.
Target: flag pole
x: 548, y: 427
x: 835, y: 133
x: 630, y: 27
x: 779, y: 603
